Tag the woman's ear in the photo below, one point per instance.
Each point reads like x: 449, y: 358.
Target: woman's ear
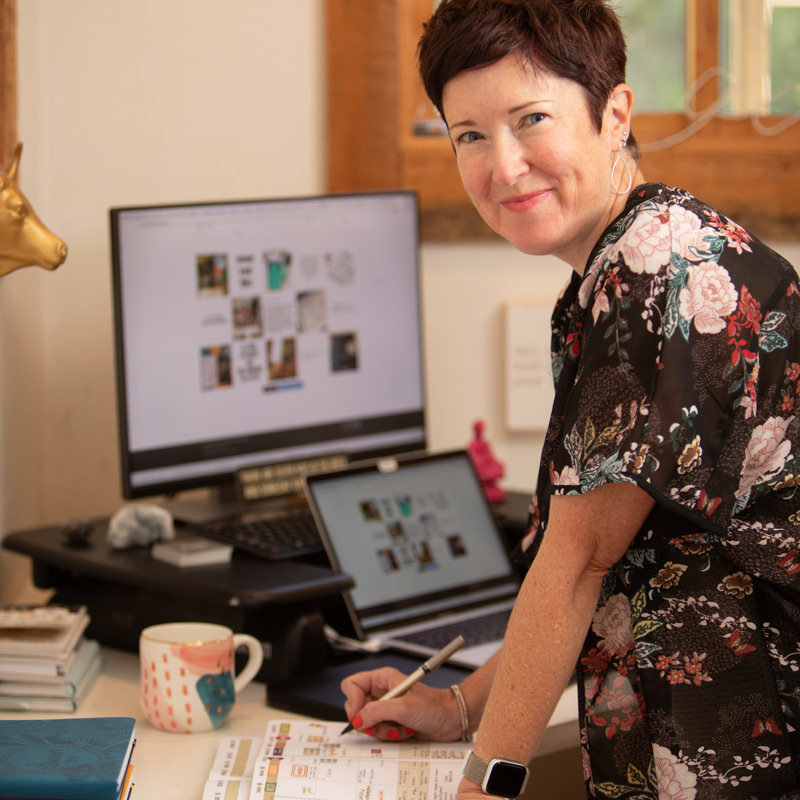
x: 618, y: 112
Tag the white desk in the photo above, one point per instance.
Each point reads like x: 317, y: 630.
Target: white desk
x: 172, y: 766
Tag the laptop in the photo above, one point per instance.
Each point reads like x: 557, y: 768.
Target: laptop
x: 424, y: 549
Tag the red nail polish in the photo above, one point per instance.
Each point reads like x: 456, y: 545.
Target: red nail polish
x: 369, y: 731
x: 393, y: 734
x: 410, y: 731
x: 357, y: 722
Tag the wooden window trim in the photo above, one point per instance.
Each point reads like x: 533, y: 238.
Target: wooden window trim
x: 373, y: 93
x: 8, y: 79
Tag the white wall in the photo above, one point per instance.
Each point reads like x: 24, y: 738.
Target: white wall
x: 173, y: 100
x: 465, y: 289
x: 124, y: 103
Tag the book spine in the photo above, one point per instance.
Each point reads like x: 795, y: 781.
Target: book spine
x: 26, y: 703
x: 65, y: 686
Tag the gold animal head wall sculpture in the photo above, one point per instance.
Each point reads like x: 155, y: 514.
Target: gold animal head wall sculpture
x: 24, y: 240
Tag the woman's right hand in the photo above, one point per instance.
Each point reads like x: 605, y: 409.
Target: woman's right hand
x: 423, y: 711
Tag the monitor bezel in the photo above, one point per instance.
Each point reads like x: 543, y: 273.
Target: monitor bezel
x: 225, y: 480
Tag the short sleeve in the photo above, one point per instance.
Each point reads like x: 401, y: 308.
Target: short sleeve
x: 670, y: 375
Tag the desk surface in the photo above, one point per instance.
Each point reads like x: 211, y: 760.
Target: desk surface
x: 171, y: 766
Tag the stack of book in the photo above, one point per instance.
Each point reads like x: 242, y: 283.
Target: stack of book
x: 46, y: 662
x: 67, y: 759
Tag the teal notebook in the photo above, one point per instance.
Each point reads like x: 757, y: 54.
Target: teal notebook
x: 65, y: 759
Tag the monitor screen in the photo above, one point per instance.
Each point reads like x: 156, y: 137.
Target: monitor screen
x: 260, y: 332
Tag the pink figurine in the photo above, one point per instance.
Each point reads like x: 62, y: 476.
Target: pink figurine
x: 489, y: 469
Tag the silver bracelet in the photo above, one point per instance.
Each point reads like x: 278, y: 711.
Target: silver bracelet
x: 462, y: 711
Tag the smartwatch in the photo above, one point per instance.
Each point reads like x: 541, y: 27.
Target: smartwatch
x: 498, y: 777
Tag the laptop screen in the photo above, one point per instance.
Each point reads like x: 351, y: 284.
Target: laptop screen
x: 416, y: 534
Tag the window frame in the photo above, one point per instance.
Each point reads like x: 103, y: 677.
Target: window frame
x: 373, y: 93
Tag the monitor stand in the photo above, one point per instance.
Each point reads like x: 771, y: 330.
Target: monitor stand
x: 208, y: 505
x: 256, y: 490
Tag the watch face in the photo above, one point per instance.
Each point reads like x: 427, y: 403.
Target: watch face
x: 505, y: 779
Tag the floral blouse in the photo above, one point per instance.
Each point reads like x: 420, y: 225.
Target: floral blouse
x: 677, y: 367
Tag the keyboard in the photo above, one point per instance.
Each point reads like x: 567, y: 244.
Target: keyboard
x: 290, y: 534
x: 477, y: 630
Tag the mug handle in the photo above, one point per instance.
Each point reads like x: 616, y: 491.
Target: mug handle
x: 254, y: 661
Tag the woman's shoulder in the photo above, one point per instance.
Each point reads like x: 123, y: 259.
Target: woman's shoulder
x: 666, y: 229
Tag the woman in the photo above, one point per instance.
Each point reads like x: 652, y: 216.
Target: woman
x: 663, y: 553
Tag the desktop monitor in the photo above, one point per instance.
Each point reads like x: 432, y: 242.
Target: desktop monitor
x: 261, y: 332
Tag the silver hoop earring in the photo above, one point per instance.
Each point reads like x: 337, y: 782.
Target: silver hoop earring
x: 619, y: 157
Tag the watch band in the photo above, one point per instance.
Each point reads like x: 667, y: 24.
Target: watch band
x: 498, y: 777
x: 475, y: 769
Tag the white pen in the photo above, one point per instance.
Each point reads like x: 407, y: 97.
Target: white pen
x: 419, y: 673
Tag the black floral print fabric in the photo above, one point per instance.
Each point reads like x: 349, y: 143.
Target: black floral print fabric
x: 677, y: 367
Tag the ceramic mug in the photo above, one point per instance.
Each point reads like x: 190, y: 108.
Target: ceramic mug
x: 187, y: 674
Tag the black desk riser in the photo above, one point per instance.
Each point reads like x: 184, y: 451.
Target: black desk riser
x: 246, y: 580
x: 127, y: 590
x: 282, y: 603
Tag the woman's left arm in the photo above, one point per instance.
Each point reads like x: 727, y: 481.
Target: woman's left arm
x: 586, y: 535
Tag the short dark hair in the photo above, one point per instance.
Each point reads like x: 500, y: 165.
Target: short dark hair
x: 580, y: 40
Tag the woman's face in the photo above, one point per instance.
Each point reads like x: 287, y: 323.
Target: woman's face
x: 531, y: 159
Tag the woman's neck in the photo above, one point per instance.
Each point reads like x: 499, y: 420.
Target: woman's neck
x: 616, y: 208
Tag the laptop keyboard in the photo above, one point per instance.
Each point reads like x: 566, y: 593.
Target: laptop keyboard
x: 477, y: 630
x: 289, y: 535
